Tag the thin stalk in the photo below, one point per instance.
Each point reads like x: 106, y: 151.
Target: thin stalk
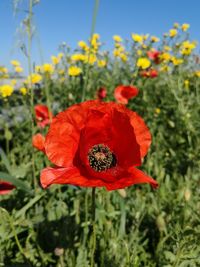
x: 29, y: 30
x: 93, y: 247
x: 96, y: 6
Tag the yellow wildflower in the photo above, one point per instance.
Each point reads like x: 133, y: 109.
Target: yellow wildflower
x: 143, y: 63
x: 55, y: 60
x: 90, y: 59
x: 61, y: 72
x: 116, y: 53
x: 173, y: 33
x: 157, y: 110
x: 165, y: 68
x: 176, y: 61
x: 13, y: 82
x: 165, y: 56
x: 185, y: 27
x: 34, y: 78
x: 187, y: 47
x: 101, y: 63
x: 186, y: 84
x: 145, y: 37
x: 3, y: 70
x: 117, y: 38
x: 48, y: 68
x: 6, y: 90
x: 167, y: 48
x: 23, y: 90
x: 154, y: 39
x: 60, y: 55
x: 18, y: 69
x: 123, y: 57
x: 137, y: 38
x: 38, y: 68
x: 83, y: 45
x: 197, y: 73
x: 74, y: 71
x: 78, y: 57
x: 15, y: 63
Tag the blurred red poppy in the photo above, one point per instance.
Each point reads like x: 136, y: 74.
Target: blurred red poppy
x: 95, y: 144
x: 43, y: 116
x: 101, y: 93
x: 152, y: 73
x: 123, y: 93
x: 38, y: 142
x: 5, y: 187
x: 154, y: 55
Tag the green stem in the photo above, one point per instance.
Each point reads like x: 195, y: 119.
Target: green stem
x: 29, y: 30
x: 93, y: 247
x: 91, y: 34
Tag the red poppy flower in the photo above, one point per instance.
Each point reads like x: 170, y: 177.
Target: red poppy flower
x: 124, y: 93
x: 101, y: 93
x: 38, y: 142
x: 152, y: 73
x: 154, y: 55
x: 5, y: 187
x: 43, y: 115
x: 95, y: 144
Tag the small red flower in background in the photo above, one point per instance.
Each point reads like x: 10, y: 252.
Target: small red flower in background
x: 42, y: 115
x: 38, y: 142
x: 95, y: 144
x: 154, y: 55
x: 152, y: 73
x: 101, y: 93
x: 5, y: 187
x: 124, y: 93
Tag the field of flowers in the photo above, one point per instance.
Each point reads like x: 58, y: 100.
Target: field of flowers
x: 54, y: 215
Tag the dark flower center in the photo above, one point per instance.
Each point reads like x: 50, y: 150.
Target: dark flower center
x: 101, y: 158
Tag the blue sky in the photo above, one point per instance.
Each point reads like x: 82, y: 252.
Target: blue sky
x: 69, y: 21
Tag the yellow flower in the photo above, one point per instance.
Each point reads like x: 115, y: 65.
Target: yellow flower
x: 96, y: 36
x: 90, y: 59
x: 137, y: 38
x: 117, y: 38
x: 123, y: 57
x: 157, y: 110
x: 143, y: 63
x: 186, y: 84
x: 176, y: 61
x: 187, y: 47
x: 48, y: 68
x: 165, y: 56
x: 167, y: 48
x: 3, y: 70
x: 185, y: 27
x: 173, y: 33
x: 74, y: 71
x: 15, y: 63
x: 18, y: 69
x: 176, y: 25
x: 6, y: 90
x: 165, y: 68
x: 116, y: 53
x: 61, y: 72
x: 38, y: 68
x: 60, y: 55
x: 83, y: 45
x: 55, y: 60
x: 155, y: 39
x: 78, y: 57
x: 34, y: 78
x: 197, y: 73
x: 101, y: 63
x: 145, y: 37
x: 23, y: 90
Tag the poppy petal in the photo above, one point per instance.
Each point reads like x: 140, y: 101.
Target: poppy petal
x: 135, y: 176
x: 5, y: 187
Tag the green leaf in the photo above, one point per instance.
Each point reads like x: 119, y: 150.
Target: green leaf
x: 5, y: 160
x: 16, y: 182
